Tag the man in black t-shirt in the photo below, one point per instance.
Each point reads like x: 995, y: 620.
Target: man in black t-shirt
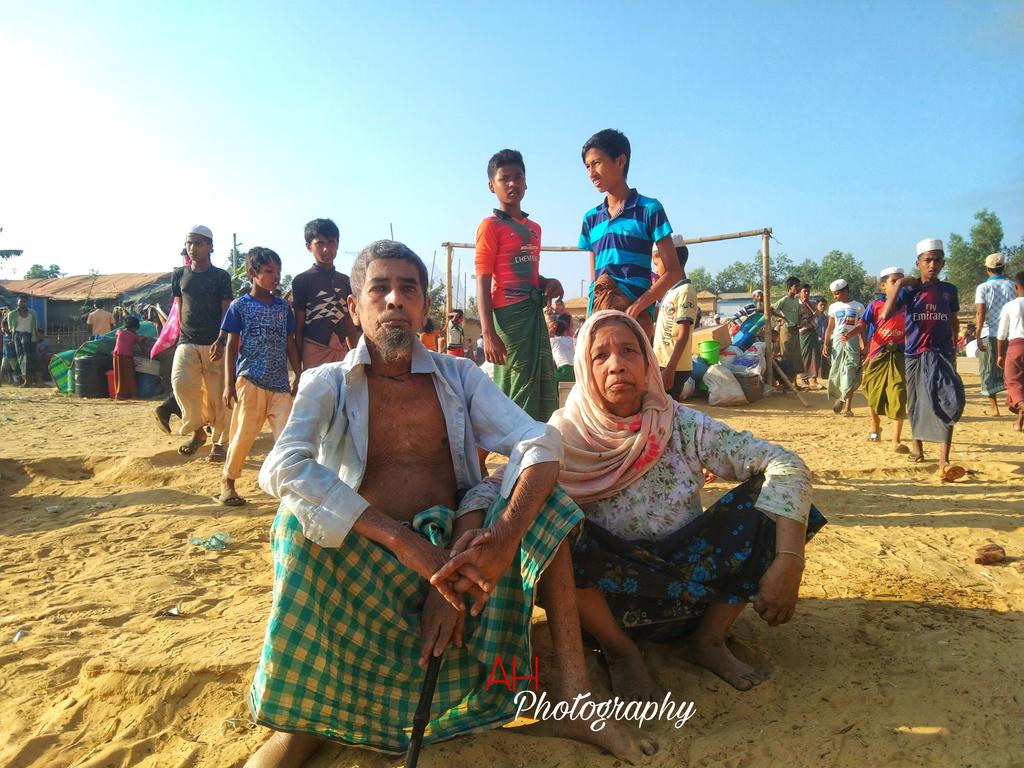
x: 203, y: 293
x: 324, y: 333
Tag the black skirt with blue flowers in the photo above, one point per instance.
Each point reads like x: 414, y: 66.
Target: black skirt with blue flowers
x: 658, y: 590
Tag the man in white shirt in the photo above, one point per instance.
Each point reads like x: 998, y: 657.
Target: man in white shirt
x: 989, y: 299
x: 371, y: 468
x: 1011, y: 350
x: 845, y: 352
x: 673, y: 330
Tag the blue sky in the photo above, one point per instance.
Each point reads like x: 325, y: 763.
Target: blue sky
x: 858, y: 126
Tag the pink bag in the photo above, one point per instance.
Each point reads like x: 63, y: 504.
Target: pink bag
x: 169, y: 333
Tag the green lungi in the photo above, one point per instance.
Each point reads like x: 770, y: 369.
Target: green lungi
x: 844, y: 373
x: 340, y: 655
x: 885, y: 383
x: 528, y: 376
x: 789, y: 340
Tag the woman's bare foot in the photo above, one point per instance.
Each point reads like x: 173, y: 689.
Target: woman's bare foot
x: 625, y: 743
x: 285, y: 750
x: 715, y: 656
x: 631, y: 680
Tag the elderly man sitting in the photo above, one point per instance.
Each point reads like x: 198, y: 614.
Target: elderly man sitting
x: 374, y: 459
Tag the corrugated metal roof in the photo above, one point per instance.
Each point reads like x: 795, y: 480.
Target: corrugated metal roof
x: 81, y: 287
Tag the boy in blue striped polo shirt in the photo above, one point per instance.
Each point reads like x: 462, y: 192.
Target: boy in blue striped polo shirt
x: 620, y: 234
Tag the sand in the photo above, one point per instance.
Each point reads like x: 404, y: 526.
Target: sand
x: 903, y: 652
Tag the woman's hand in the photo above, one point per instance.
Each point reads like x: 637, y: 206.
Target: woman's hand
x: 777, y: 591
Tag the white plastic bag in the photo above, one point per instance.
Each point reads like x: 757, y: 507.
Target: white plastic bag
x: 723, y: 389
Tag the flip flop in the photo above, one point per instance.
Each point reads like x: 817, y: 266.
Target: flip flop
x: 217, y: 454
x: 847, y: 414
x: 193, y: 445
x: 231, y: 501
x: 915, y: 458
x: 901, y: 449
x: 952, y: 473
x: 872, y: 437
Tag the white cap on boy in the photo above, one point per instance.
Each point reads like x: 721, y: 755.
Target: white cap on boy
x: 890, y: 271
x: 838, y: 285
x: 929, y: 244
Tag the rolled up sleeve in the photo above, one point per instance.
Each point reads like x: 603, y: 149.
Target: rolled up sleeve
x: 786, y: 491
x: 325, y: 506
x: 503, y: 427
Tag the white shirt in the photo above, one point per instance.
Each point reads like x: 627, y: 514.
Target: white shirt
x: 1011, y: 320
x: 845, y: 314
x: 563, y: 349
x: 994, y: 293
x: 24, y: 323
x: 318, y: 462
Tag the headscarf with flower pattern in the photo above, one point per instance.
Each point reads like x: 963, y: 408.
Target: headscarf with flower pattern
x: 604, y: 453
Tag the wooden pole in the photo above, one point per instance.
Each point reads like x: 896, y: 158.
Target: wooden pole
x: 448, y: 280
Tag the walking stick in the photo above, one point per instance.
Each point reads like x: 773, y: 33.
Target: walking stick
x: 422, y: 715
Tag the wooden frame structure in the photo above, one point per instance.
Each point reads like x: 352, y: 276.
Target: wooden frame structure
x: 765, y: 235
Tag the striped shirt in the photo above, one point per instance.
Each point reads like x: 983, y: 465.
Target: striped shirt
x: 622, y: 245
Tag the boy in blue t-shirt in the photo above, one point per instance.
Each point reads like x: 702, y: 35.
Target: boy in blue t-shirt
x: 259, y: 331
x: 935, y: 393
x: 620, y: 234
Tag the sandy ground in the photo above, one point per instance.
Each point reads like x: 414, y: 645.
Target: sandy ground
x: 903, y: 651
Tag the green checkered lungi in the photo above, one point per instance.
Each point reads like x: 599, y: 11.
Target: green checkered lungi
x: 340, y: 655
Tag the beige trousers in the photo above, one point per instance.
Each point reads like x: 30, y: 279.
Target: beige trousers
x: 199, y: 389
x: 255, y: 407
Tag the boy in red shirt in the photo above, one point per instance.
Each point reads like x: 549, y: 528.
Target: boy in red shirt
x: 511, y: 294
x: 885, y: 373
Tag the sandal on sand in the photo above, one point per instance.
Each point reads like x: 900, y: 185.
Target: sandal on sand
x: 847, y: 414
x: 873, y: 437
x: 193, y: 445
x: 231, y: 501
x: 901, y: 449
x: 916, y: 458
x: 217, y: 454
x: 951, y: 473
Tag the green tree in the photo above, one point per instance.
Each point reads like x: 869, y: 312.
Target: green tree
x: 736, y: 277
x: 965, y: 259
x: 807, y: 270
x: 39, y: 272
x: 436, y: 294
x: 837, y: 264
x: 701, y: 278
x: 1014, y: 255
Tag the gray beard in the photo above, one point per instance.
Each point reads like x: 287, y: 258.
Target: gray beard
x: 394, y: 344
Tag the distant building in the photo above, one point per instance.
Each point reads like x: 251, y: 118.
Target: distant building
x: 59, y: 302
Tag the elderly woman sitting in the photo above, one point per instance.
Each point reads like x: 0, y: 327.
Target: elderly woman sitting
x: 651, y: 563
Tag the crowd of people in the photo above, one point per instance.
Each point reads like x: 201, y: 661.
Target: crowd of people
x: 596, y: 513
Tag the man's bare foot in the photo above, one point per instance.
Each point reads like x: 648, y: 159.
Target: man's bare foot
x: 625, y: 743
x: 631, y: 680
x: 715, y: 656
x: 990, y: 412
x: 285, y: 750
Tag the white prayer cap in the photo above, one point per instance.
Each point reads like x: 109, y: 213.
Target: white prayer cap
x: 838, y: 285
x: 890, y: 271
x: 929, y: 244
x: 678, y: 241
